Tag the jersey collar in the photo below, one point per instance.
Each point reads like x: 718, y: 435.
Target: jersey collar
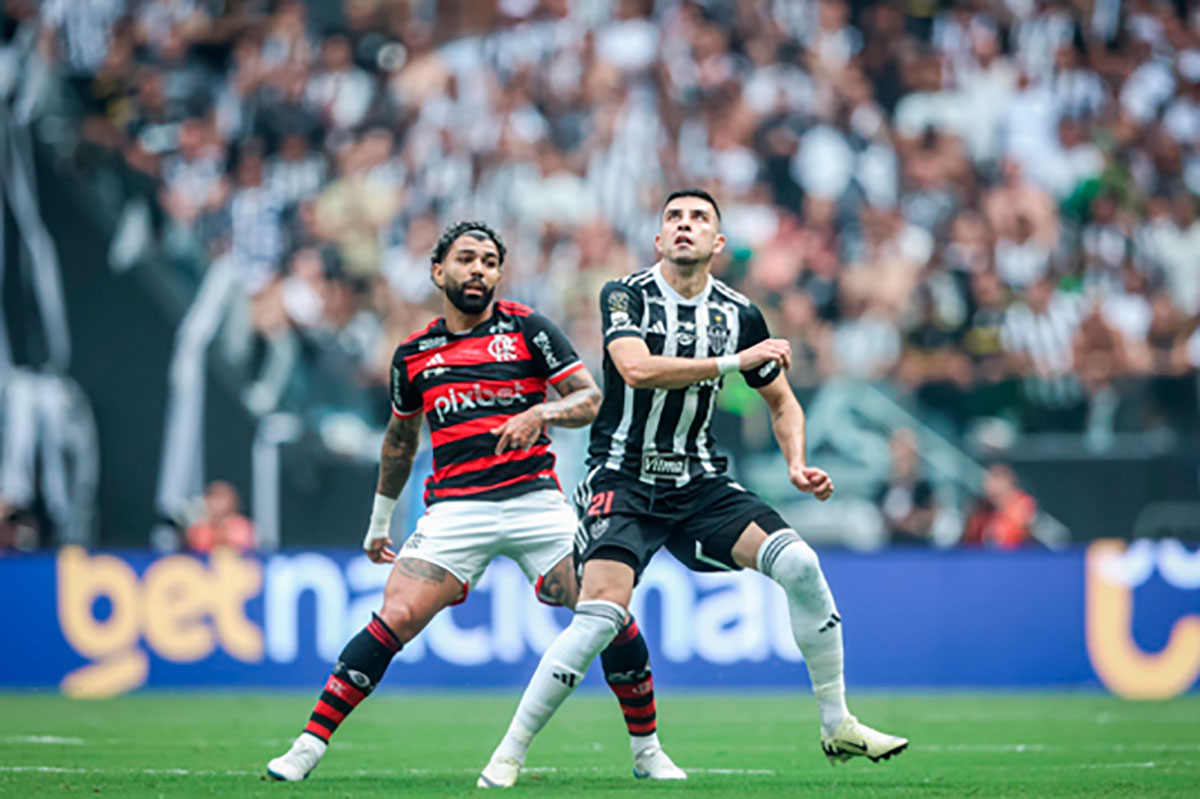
x: 674, y: 295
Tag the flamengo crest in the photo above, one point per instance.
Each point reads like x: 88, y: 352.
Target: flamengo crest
x: 503, y: 348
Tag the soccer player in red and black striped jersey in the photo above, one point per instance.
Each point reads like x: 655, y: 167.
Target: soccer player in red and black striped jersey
x: 480, y: 374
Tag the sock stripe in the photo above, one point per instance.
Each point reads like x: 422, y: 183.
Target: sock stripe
x: 318, y: 730
x: 336, y: 702
x: 637, y: 701
x: 627, y: 633
x: 647, y: 728
x: 775, y: 544
x: 344, y: 690
x: 329, y: 712
x: 383, y: 635
x: 641, y: 713
x: 624, y: 692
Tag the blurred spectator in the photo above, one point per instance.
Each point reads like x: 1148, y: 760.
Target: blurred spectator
x: 18, y: 530
x: 906, y: 498
x: 1038, y: 335
x: 1003, y: 517
x: 221, y: 523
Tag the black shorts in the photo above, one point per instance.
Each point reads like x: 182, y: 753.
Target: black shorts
x: 698, y: 523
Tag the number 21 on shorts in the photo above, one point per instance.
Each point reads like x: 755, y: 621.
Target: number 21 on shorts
x: 601, y: 504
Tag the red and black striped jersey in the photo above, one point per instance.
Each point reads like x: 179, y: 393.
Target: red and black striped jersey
x: 468, y: 384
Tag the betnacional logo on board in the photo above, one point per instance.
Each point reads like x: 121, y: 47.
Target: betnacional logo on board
x: 1116, y: 573
x: 204, y: 613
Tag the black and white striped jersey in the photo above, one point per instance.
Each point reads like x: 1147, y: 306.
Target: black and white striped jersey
x: 664, y: 436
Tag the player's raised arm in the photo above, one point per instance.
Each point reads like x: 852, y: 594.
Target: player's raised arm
x: 787, y: 422
x: 620, y: 307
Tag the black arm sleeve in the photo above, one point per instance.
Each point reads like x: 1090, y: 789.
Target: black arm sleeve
x: 406, y: 399
x: 753, y: 330
x: 550, y: 348
x: 620, y: 311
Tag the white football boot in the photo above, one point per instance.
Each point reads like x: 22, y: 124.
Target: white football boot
x: 852, y: 738
x: 500, y: 772
x: 296, y: 764
x: 653, y: 764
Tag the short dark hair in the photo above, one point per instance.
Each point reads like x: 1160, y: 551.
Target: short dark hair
x: 475, y: 229
x: 692, y: 192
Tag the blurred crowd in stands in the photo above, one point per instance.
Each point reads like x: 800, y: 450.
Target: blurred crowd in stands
x: 989, y: 207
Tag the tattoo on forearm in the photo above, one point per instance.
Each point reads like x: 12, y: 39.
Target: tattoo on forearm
x: 422, y: 570
x: 400, y: 444
x: 579, y: 404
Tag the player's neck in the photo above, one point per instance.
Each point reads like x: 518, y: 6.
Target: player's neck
x: 689, y: 280
x: 459, y: 322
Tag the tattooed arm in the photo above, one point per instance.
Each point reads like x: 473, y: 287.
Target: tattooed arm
x: 578, y: 407
x: 400, y: 443
x: 579, y: 404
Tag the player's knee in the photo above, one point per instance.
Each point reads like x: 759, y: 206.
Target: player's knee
x: 786, y: 558
x: 599, y: 620
x: 399, y: 618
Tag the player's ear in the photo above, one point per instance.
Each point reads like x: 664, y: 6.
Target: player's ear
x: 438, y: 275
x: 719, y: 243
x: 658, y: 242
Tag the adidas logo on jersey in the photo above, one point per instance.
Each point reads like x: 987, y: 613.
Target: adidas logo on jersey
x: 435, y: 366
x: 658, y: 329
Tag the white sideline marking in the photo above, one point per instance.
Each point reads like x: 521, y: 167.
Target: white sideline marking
x: 996, y: 748
x: 1024, y: 748
x: 183, y: 772
x: 170, y: 772
x: 41, y: 739
x: 1147, y: 764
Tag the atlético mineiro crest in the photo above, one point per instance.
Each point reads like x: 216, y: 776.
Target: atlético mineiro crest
x: 718, y: 334
x: 503, y: 348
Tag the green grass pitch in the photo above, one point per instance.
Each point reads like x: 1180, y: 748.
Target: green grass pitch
x: 754, y: 745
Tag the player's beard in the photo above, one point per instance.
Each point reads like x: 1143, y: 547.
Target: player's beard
x: 472, y: 304
x: 690, y: 259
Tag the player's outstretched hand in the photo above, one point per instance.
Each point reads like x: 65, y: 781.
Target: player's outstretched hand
x: 812, y: 480
x: 772, y: 349
x: 520, y: 431
x: 379, y: 549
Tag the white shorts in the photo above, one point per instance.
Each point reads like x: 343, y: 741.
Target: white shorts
x: 537, y: 530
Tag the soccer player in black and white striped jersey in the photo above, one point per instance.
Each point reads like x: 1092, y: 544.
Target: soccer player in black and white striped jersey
x: 671, y: 335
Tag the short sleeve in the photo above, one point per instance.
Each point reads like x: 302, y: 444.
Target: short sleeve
x: 406, y: 399
x: 754, y: 330
x: 550, y: 348
x: 620, y: 311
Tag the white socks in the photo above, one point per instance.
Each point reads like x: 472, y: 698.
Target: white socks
x: 816, y: 625
x: 643, y: 743
x: 561, y: 669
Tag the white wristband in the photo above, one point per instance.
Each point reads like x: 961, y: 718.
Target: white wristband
x: 381, y: 516
x: 727, y: 364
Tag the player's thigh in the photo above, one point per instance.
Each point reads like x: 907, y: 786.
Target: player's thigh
x: 540, y: 536
x: 617, y: 521
x: 416, y: 590
x: 608, y: 577
x: 458, y: 537
x: 560, y: 585
x: 724, y: 529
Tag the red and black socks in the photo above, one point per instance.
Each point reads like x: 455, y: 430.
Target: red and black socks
x: 626, y: 664
x: 359, y: 669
